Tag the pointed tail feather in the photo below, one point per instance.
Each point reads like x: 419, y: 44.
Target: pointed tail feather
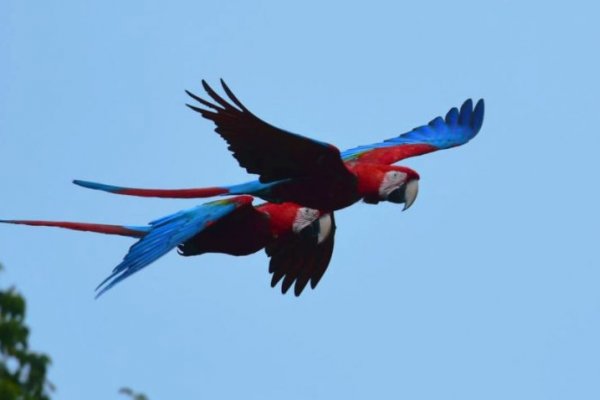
x: 163, y: 193
x: 130, y: 231
x: 251, y: 188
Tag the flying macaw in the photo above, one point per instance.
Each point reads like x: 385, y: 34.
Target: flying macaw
x: 298, y: 240
x: 298, y: 169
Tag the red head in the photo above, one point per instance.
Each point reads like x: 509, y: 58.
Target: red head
x: 288, y: 217
x: 381, y: 182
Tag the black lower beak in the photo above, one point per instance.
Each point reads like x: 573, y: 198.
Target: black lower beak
x: 398, y: 196
x: 311, y: 231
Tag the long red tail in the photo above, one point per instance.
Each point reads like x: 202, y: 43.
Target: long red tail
x: 130, y: 231
x: 164, y: 193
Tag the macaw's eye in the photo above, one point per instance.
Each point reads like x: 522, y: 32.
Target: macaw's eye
x: 395, y: 177
x: 304, y: 217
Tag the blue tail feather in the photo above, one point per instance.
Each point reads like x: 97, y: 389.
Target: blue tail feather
x: 96, y: 186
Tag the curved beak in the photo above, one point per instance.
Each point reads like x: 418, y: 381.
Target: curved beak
x: 406, y: 194
x: 410, y: 193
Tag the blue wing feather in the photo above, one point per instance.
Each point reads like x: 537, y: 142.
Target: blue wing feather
x: 441, y: 133
x: 168, y: 232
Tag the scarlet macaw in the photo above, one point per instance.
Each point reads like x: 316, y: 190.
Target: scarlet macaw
x: 298, y: 240
x: 297, y: 169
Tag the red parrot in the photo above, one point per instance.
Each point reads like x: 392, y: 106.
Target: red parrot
x: 294, y: 168
x: 298, y: 240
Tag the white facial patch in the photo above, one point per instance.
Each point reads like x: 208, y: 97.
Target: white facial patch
x: 304, y: 217
x: 391, y: 181
x: 324, y: 228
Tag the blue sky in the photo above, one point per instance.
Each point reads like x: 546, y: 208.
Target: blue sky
x: 486, y: 288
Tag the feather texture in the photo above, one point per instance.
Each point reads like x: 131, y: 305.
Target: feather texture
x: 167, y: 233
x: 441, y: 133
x: 264, y: 149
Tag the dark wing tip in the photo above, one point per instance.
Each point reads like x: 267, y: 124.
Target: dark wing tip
x: 452, y: 116
x: 300, y: 285
x: 477, y: 118
x: 233, y: 96
x: 192, y: 95
x: 205, y: 85
x: 287, y: 283
x: 466, y: 105
x: 314, y: 281
x: 204, y: 102
x: 466, y: 111
x: 277, y: 275
x: 216, y: 97
x: 197, y: 109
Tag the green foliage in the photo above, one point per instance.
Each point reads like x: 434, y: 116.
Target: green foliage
x: 135, y: 396
x: 22, y: 372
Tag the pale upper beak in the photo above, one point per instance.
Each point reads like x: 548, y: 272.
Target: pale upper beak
x: 410, y: 193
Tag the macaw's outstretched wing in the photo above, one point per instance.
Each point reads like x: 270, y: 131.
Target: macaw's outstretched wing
x: 244, y: 231
x: 304, y: 257
x: 167, y: 233
x: 263, y: 149
x: 441, y: 133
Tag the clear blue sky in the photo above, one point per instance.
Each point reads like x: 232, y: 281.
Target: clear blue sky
x: 487, y: 288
